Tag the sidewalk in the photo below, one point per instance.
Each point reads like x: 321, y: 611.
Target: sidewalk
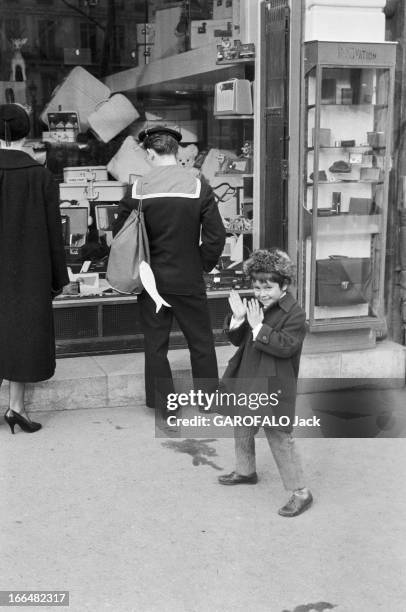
x: 118, y: 380
x: 95, y: 504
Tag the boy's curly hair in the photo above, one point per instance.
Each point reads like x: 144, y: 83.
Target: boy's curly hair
x: 273, y: 262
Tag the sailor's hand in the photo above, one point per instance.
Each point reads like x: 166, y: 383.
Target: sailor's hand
x: 238, y: 306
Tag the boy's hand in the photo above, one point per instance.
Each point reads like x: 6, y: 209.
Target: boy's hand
x: 238, y: 306
x: 255, y: 314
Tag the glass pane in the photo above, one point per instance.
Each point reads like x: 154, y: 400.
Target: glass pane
x: 345, y: 172
x: 212, y: 108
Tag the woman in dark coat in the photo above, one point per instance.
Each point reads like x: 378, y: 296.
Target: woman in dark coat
x: 32, y: 265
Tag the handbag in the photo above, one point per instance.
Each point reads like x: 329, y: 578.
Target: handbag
x: 128, y: 249
x: 361, y: 206
x: 343, y: 281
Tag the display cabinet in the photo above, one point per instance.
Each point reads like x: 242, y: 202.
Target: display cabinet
x: 347, y: 108
x: 234, y: 116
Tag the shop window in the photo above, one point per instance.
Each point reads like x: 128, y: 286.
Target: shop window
x: 12, y: 28
x: 46, y: 36
x: 119, y: 43
x: 49, y: 83
x: 86, y: 3
x: 88, y: 37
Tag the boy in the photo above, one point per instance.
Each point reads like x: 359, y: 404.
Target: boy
x: 269, y: 332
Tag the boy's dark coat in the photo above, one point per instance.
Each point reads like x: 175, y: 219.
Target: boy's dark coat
x: 271, y: 362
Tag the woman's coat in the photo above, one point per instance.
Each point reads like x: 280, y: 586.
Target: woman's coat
x: 32, y: 266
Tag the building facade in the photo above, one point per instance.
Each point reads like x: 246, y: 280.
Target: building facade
x: 295, y: 119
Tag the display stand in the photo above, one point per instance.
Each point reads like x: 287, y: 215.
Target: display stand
x: 111, y: 324
x: 347, y: 106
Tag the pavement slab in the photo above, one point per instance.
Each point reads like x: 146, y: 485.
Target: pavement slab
x: 95, y: 504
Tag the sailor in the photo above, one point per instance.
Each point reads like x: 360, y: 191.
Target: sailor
x: 186, y: 237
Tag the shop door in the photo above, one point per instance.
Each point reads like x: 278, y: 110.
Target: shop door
x: 274, y: 116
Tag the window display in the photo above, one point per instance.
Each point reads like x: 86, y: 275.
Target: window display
x: 347, y: 116
x: 192, y: 70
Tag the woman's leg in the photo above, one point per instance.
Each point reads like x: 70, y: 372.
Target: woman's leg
x: 16, y: 414
x: 17, y: 390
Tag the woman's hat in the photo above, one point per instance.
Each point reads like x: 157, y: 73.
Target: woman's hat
x: 14, y: 122
x: 159, y: 129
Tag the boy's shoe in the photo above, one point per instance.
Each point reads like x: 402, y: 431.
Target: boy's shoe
x: 234, y: 479
x: 297, y: 504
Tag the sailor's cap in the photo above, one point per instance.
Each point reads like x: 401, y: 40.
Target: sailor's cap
x: 159, y: 129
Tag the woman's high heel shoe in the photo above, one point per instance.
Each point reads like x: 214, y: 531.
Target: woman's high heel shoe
x: 14, y: 418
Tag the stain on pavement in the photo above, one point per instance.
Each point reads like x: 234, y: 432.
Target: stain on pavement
x: 320, y: 606
x: 199, y: 450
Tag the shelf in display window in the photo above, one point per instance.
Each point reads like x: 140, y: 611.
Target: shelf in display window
x: 237, y: 60
x: 363, y: 105
x: 357, y: 322
x: 348, y: 224
x: 347, y: 101
x: 341, y: 181
x: 352, y: 148
x: 234, y: 116
x: 233, y: 175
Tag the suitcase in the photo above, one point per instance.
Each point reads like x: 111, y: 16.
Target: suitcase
x: 170, y: 36
x: 361, y: 206
x: 211, y: 31
x: 75, y: 174
x: 63, y: 126
x: 105, y: 215
x: 222, y: 9
x: 376, y: 139
x: 76, y: 219
x: 107, y: 191
x: 144, y: 54
x: 233, y: 97
x: 102, y: 191
x: 129, y: 159
x: 80, y: 91
x: 145, y: 42
x: 246, y: 21
x: 343, y: 281
x: 145, y: 33
x: 371, y: 174
x: 112, y: 117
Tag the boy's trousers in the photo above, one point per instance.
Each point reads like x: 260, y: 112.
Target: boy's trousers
x: 283, y: 449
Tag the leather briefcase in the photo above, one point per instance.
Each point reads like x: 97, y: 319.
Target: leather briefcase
x: 343, y: 281
x: 361, y: 206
